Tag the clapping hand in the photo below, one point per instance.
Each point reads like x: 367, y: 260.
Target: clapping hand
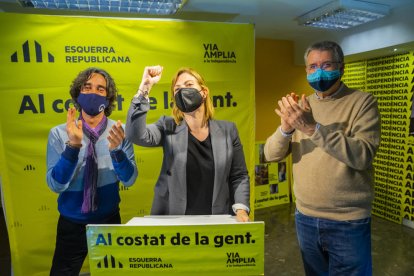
x: 116, y: 135
x: 284, y: 113
x: 73, y: 128
x: 296, y: 116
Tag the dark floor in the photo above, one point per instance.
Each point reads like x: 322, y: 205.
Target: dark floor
x: 392, y: 245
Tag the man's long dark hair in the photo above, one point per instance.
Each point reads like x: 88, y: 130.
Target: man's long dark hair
x: 83, y: 77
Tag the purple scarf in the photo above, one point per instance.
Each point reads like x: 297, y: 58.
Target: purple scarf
x: 90, y: 175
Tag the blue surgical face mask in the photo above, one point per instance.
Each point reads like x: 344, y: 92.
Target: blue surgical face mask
x: 92, y: 104
x: 322, y: 80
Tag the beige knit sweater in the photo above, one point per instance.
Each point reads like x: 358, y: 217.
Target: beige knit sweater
x: 332, y: 169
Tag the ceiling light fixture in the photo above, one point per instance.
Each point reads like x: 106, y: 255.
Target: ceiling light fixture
x: 343, y: 14
x: 155, y: 7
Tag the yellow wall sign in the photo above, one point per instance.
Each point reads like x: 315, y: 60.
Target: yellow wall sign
x: 271, y: 180
x: 198, y: 249
x: 391, y: 80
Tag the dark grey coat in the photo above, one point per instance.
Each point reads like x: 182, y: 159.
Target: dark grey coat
x: 231, y: 180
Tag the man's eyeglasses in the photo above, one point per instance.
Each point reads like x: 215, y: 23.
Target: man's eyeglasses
x: 328, y: 65
x: 88, y: 88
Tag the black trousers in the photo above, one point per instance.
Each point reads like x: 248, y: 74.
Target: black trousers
x: 71, y: 246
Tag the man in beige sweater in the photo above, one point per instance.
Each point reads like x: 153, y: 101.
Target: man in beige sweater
x: 333, y: 136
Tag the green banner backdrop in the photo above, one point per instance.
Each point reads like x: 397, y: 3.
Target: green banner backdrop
x: 41, y: 55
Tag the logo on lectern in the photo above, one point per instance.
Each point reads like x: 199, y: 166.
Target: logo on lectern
x: 109, y: 262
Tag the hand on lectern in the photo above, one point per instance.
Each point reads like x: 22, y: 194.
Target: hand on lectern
x: 242, y: 216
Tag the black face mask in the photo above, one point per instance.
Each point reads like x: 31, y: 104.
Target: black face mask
x: 188, y: 99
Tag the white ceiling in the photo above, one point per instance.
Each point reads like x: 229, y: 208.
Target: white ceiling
x: 273, y: 19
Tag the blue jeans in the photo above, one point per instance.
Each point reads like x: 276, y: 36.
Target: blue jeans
x: 331, y: 247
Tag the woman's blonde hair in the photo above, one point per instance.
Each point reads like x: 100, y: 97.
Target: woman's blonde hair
x: 177, y: 114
